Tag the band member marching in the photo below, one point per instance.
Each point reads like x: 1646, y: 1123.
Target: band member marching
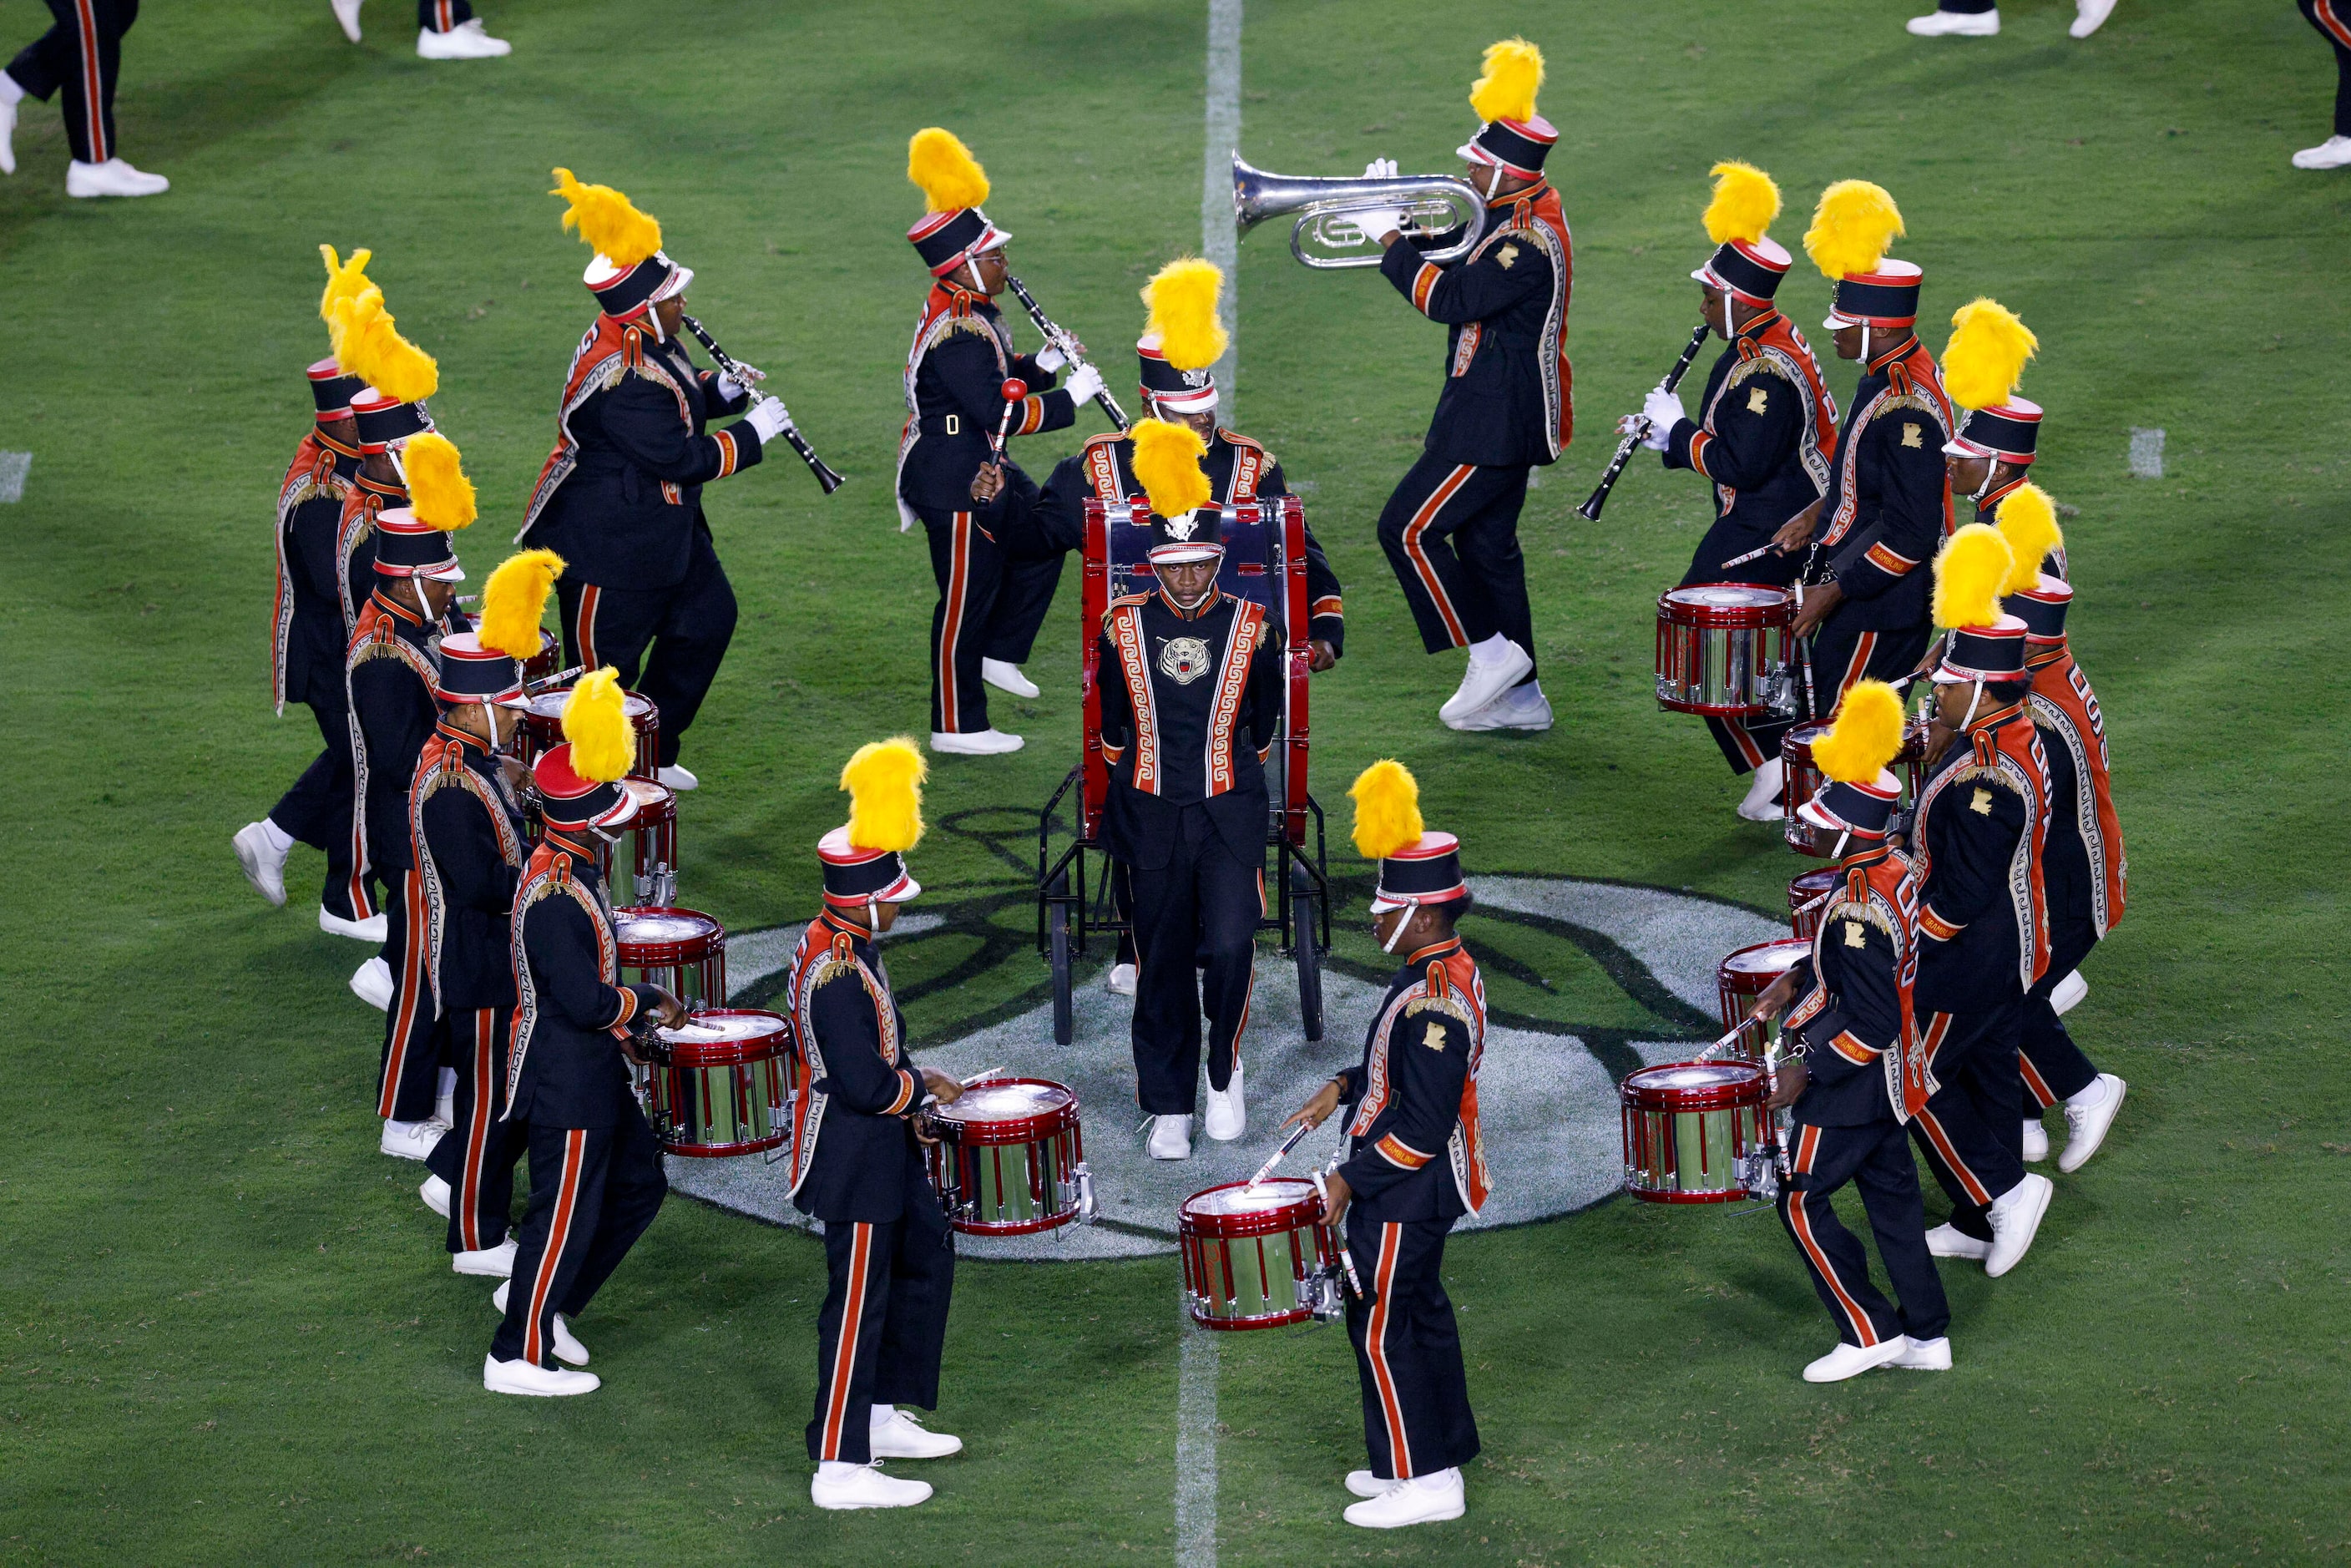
x: 620, y: 498
x: 1451, y: 528
x: 1859, y: 1072
x: 1982, y: 828
x: 471, y: 842
x: 996, y: 570
x: 1191, y: 695
x: 856, y: 1160
x: 1990, y: 454
x: 1417, y: 1164
x: 1763, y: 439
x: 596, y: 1179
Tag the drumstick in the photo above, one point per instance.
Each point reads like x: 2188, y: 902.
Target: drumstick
x: 1346, y: 1259
x: 992, y: 1071
x: 1287, y: 1144
x: 1750, y: 555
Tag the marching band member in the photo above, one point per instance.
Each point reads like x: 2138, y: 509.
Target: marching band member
x: 1417, y: 1164
x: 1889, y: 504
x: 1979, y: 840
x: 1859, y: 1073
x: 1990, y: 455
x: 2085, y: 869
x: 596, y: 1179
x: 470, y: 843
x: 311, y: 630
x: 857, y: 1163
x: 1451, y: 528
x: 996, y: 572
x: 82, y: 53
x: 446, y: 30
x: 1764, y: 438
x: 1191, y: 696
x: 620, y: 498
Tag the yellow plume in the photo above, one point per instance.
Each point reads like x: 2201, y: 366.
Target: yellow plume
x: 1985, y: 358
x: 1514, y: 70
x: 344, y: 281
x: 1866, y: 735
x: 515, y: 599
x: 1167, y: 465
x: 438, y: 491
x: 1388, y: 808
x: 2028, y: 521
x: 595, y: 723
x: 368, y: 345
x: 1745, y: 203
x: 1182, y: 297
x: 1853, y: 224
x: 885, y: 781
x: 1968, y: 572
x: 950, y: 177
x: 607, y: 221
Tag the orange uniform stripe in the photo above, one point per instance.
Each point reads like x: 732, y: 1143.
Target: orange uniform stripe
x: 951, y: 629
x: 1376, y: 1347
x: 1401, y: 1154
x: 1422, y: 565
x: 1800, y: 1223
x: 412, y: 983
x: 477, y: 1131
x: 1976, y: 1190
x: 559, y: 1231
x: 844, y: 1354
x: 1423, y: 283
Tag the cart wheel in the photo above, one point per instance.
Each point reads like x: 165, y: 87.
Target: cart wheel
x: 1057, y: 932
x: 1310, y: 956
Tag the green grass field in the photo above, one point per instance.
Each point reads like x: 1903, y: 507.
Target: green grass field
x: 226, y: 1332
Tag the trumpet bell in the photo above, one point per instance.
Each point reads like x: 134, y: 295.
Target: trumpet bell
x: 1323, y: 235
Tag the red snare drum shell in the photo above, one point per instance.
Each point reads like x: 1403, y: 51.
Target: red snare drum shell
x: 726, y: 1037
x: 1750, y: 971
x: 1279, y: 1204
x: 1805, y: 889
x: 1730, y: 604
x: 650, y: 938
x: 1694, y: 1086
x: 1006, y: 1111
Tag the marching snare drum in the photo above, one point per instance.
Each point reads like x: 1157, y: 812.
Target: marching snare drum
x: 652, y: 834
x: 1808, y: 895
x: 544, y: 663
x: 1692, y: 1129
x: 683, y: 951
x: 1256, y: 1259
x: 1010, y: 1159
x: 1718, y: 645
x: 1747, y: 974
x: 721, y: 1086
x: 542, y: 728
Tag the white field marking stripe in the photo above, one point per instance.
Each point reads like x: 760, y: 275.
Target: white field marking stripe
x: 1219, y: 242
x: 1196, y: 1442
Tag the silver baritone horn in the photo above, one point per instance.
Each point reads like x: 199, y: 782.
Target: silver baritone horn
x: 1325, y: 233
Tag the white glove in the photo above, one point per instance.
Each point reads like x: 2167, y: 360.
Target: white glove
x: 1380, y: 168
x: 1050, y: 358
x: 729, y: 389
x: 1375, y: 222
x: 768, y: 418
x: 1084, y: 384
x: 1663, y: 410
x: 1658, y: 436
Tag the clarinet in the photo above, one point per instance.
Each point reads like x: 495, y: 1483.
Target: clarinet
x: 1625, y: 448
x: 749, y: 377
x: 1057, y: 335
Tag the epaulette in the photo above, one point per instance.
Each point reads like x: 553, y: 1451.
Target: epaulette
x: 1917, y: 402
x: 837, y: 960
x: 959, y: 301
x: 1107, y: 438
x: 1125, y: 599
x: 1235, y: 438
x: 1752, y: 365
x: 633, y: 348
x: 966, y: 323
x: 1439, y: 996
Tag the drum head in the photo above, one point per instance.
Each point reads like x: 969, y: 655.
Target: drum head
x: 652, y: 799
x: 1273, y: 1194
x: 1011, y: 1100
x: 1728, y: 596
x: 664, y: 927
x: 724, y: 1036
x: 549, y: 705
x: 1688, y: 1077
x: 1800, y: 741
x: 1770, y: 959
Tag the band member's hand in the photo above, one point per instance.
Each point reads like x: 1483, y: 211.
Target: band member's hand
x: 1340, y: 1196
x: 729, y: 389
x: 669, y: 1009
x: 943, y: 1089
x: 988, y: 483
x: 1084, y: 384
x: 1316, y: 1111
x: 1818, y: 599
x: 1321, y: 656
x: 1776, y: 997
x: 1797, y: 531
x: 517, y: 772
x: 1792, y: 1078
x: 1663, y: 410
x: 768, y: 417
x: 1050, y: 358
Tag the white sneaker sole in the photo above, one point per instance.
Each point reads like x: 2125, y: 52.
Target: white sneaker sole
x: 1493, y: 683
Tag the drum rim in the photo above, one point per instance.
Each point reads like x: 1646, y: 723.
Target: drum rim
x: 725, y: 1151
x: 659, y: 953
x: 534, y: 712
x: 1724, y: 1097
x: 1258, y: 1222
x: 1780, y: 612
x: 699, y: 1053
x: 1743, y: 980
x: 1037, y: 1127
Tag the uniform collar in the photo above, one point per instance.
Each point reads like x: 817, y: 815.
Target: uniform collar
x: 464, y: 737
x: 850, y: 929
x: 1533, y: 192
x: 2039, y: 656
x: 1754, y: 331
x: 1207, y: 602
x: 1446, y: 948
x: 574, y: 849
x: 337, y: 447
x: 378, y: 487
x: 400, y: 611
x: 1862, y: 860
x: 1996, y: 718
x: 1901, y: 351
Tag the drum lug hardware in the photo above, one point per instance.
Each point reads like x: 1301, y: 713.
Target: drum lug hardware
x: 1086, y: 1207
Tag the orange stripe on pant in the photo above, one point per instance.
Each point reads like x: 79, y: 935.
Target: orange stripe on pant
x: 412, y: 986
x: 1976, y: 1190
x: 1445, y: 491
x: 559, y: 1231
x: 1801, y: 1222
x: 93, y: 84
x: 844, y: 1352
x: 478, y: 1130
x: 583, y: 629
x: 2034, y: 1081
x: 1747, y: 746
x: 2332, y: 20
x: 1858, y: 665
x: 951, y: 626
x: 1375, y: 1346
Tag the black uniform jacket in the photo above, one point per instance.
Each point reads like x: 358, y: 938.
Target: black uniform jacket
x: 356, y: 544
x: 1854, y: 993
x: 564, y: 1066
x: 1414, y: 1144
x: 852, y: 1131
x: 1508, y: 395
x: 624, y: 513
x: 1187, y: 714
x: 956, y: 371
x: 1889, y: 502
x: 470, y: 842
x: 1765, y: 430
x: 1981, y: 827
x: 313, y: 633
x: 390, y: 669
x: 1239, y: 470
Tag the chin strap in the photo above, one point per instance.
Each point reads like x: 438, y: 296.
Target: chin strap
x: 1974, y: 700
x: 1397, y: 935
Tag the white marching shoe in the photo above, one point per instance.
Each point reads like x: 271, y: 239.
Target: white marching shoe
x: 1495, y: 667
x: 1762, y: 801
x: 1523, y: 706
x: 1924, y: 1354
x: 1956, y: 24
x: 497, y: 1264
x: 411, y: 1139
x: 894, y: 1434
x: 436, y: 1196
x: 115, y: 177
x: 2331, y: 153
x: 990, y: 742
x: 263, y: 861
x: 1852, y: 1360
x: 375, y: 928
x: 1171, y: 1138
x: 839, y: 1485
x: 1119, y: 981
x: 2089, y: 15
x: 1228, y: 1117
x: 1423, y: 1500
x: 2036, y: 1141
x: 2088, y: 1117
x: 347, y: 12
x: 2067, y: 994
x: 520, y: 1376
x: 675, y: 777
x: 1363, y: 1483
x: 371, y: 983
x: 1950, y: 1241
x: 567, y: 1344
x: 2015, y: 1216
x: 467, y: 40
x: 1007, y: 677
x: 7, y: 137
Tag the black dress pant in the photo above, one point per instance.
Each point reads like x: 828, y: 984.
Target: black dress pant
x: 82, y: 53
x: 1875, y: 1158
x: 479, y: 1155
x: 1417, y: 1415
x: 885, y: 1321
x: 996, y: 574
x: 443, y: 15
x: 1970, y: 1130
x: 1196, y: 947
x: 1746, y: 744
x: 2332, y: 18
x: 316, y: 811
x: 1451, y: 534
x: 688, y: 626
x: 594, y: 1191
x: 415, y: 1043
x: 2053, y: 1066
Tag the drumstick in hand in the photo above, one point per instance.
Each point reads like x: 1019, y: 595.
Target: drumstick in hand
x: 1287, y: 1144
x: 992, y: 1071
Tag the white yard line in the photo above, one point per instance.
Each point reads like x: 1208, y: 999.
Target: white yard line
x: 1196, y: 1444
